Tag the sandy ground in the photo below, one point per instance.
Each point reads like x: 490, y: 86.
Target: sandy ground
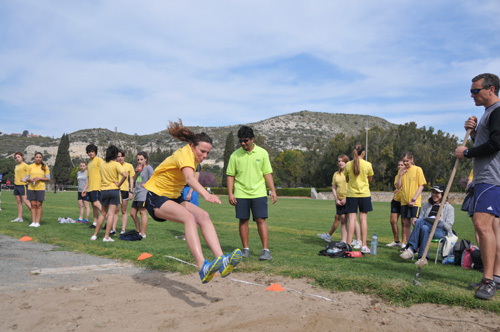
x: 42, y: 289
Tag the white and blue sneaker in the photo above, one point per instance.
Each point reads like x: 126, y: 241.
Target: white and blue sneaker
x: 229, y: 262
x: 209, y: 269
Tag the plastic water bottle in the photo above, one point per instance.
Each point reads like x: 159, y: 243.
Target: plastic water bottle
x: 374, y: 244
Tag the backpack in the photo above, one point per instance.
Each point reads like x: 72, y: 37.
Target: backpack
x: 477, y: 261
x: 131, y: 236
x: 449, y: 243
x: 335, y: 249
x: 458, y: 250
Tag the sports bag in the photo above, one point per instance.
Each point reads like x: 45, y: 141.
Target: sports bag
x: 131, y: 236
x: 335, y: 249
x: 449, y: 243
x: 458, y: 250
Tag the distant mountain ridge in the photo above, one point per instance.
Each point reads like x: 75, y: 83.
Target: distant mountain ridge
x: 289, y: 131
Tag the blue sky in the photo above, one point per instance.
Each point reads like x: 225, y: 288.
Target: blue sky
x: 70, y: 65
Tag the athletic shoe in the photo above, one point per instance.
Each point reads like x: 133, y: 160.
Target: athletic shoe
x: 401, y: 244
x: 403, y: 247
x: 93, y: 226
x: 478, y: 284
x: 85, y: 221
x: 17, y: 220
x: 365, y: 250
x: 229, y: 262
x: 356, y: 244
x: 181, y: 237
x: 36, y: 225
x: 486, y: 290
x: 393, y: 244
x: 407, y: 254
x: 265, y: 255
x: 79, y: 220
x: 245, y: 252
x: 112, y: 233
x: 418, y: 262
x: 32, y: 224
x: 325, y: 236
x: 93, y: 238
x: 209, y: 269
x: 122, y: 232
x: 143, y: 236
x: 108, y: 240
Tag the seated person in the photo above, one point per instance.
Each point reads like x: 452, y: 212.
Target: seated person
x: 423, y: 225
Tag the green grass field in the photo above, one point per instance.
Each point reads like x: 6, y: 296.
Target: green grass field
x: 293, y: 225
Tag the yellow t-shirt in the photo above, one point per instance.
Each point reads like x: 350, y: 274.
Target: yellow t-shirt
x: 339, y: 181
x: 20, y: 173
x: 358, y: 186
x: 130, y: 174
x: 94, y: 174
x: 410, y: 181
x: 111, y: 172
x: 397, y: 197
x: 167, y: 179
x: 35, y: 170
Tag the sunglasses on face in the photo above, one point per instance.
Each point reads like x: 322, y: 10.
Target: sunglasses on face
x: 476, y: 91
x: 244, y: 140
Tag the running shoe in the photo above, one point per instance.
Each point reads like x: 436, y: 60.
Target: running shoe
x: 418, y: 262
x: 365, y: 250
x: 407, y: 254
x: 108, y: 240
x: 93, y: 238
x: 393, y: 244
x: 32, y: 224
x: 209, y: 269
x: 17, y: 220
x: 112, y: 232
x: 265, y: 255
x: 325, y: 236
x: 356, y: 244
x: 486, y: 290
x: 245, y: 252
x: 229, y: 262
x: 85, y: 221
x: 478, y: 284
x: 79, y: 220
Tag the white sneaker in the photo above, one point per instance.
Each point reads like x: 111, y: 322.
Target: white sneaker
x: 33, y: 224
x: 143, y: 236
x: 325, y: 236
x: 37, y: 224
x: 402, y: 244
x: 424, y: 259
x: 357, y: 244
x: 108, y: 240
x: 394, y: 244
x: 365, y: 250
x: 122, y: 232
x: 93, y: 238
x: 16, y: 220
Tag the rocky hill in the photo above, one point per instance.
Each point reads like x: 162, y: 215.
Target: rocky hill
x: 289, y: 131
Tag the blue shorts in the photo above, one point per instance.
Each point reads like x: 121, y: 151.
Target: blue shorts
x: 395, y: 207
x: 124, y: 195
x: 154, y: 201
x: 138, y: 204
x: 83, y: 198
x: 94, y: 196
x: 20, y: 190
x: 257, y: 205
x: 110, y: 197
x: 409, y: 212
x: 363, y: 203
x: 486, y: 198
x: 36, y: 195
x: 340, y: 209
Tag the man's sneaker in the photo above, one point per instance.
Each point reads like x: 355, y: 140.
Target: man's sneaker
x: 245, y: 253
x: 85, y: 221
x: 407, y: 254
x: 365, y: 250
x: 325, y: 236
x: 486, y: 290
x: 93, y: 238
x: 33, y: 224
x: 209, y: 269
x: 418, y: 262
x: 265, y: 255
x: 108, y: 240
x: 229, y: 262
x: 393, y: 244
x: 112, y: 233
x: 478, y: 284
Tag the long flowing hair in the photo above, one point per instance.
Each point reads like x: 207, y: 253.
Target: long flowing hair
x: 177, y: 130
x: 356, y: 153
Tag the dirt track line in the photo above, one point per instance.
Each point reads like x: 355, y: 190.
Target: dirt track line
x: 82, y: 269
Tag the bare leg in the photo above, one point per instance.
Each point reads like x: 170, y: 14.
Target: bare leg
x: 352, y: 226
x: 124, y: 214
x: 133, y: 214
x: 263, y: 230
x: 144, y: 220
x: 28, y: 203
x: 358, y: 229
x: 394, y: 226
x: 87, y: 208
x: 483, y: 223
x: 496, y: 231
x: 335, y: 225
x: 19, y: 207
x: 363, y: 219
x: 39, y: 212
x: 244, y: 232
x: 110, y: 216
x: 80, y: 206
x: 405, y: 229
x: 343, y: 227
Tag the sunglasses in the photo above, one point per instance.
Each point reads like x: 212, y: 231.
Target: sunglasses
x: 244, y: 140
x: 476, y: 91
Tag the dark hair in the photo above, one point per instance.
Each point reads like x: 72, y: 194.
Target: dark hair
x: 408, y: 155
x: 121, y: 151
x: 91, y: 147
x: 245, y: 132
x: 144, y: 154
x: 19, y: 153
x: 111, y: 153
x: 43, y: 164
x: 358, y: 150
x: 177, y: 130
x: 489, y: 81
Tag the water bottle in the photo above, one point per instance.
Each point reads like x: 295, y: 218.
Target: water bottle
x: 374, y: 244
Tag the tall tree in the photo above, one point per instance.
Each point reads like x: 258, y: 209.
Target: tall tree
x: 228, y: 150
x: 290, y: 166
x: 62, y: 168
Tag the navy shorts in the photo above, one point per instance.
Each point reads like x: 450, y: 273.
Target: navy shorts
x: 110, y: 197
x: 486, y: 198
x: 20, y: 190
x: 138, y: 204
x: 363, y: 203
x: 257, y: 205
x: 154, y: 201
x: 395, y: 207
x: 341, y: 209
x: 409, y: 212
x: 83, y: 198
x: 36, y: 195
x: 94, y: 196
x: 124, y: 194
